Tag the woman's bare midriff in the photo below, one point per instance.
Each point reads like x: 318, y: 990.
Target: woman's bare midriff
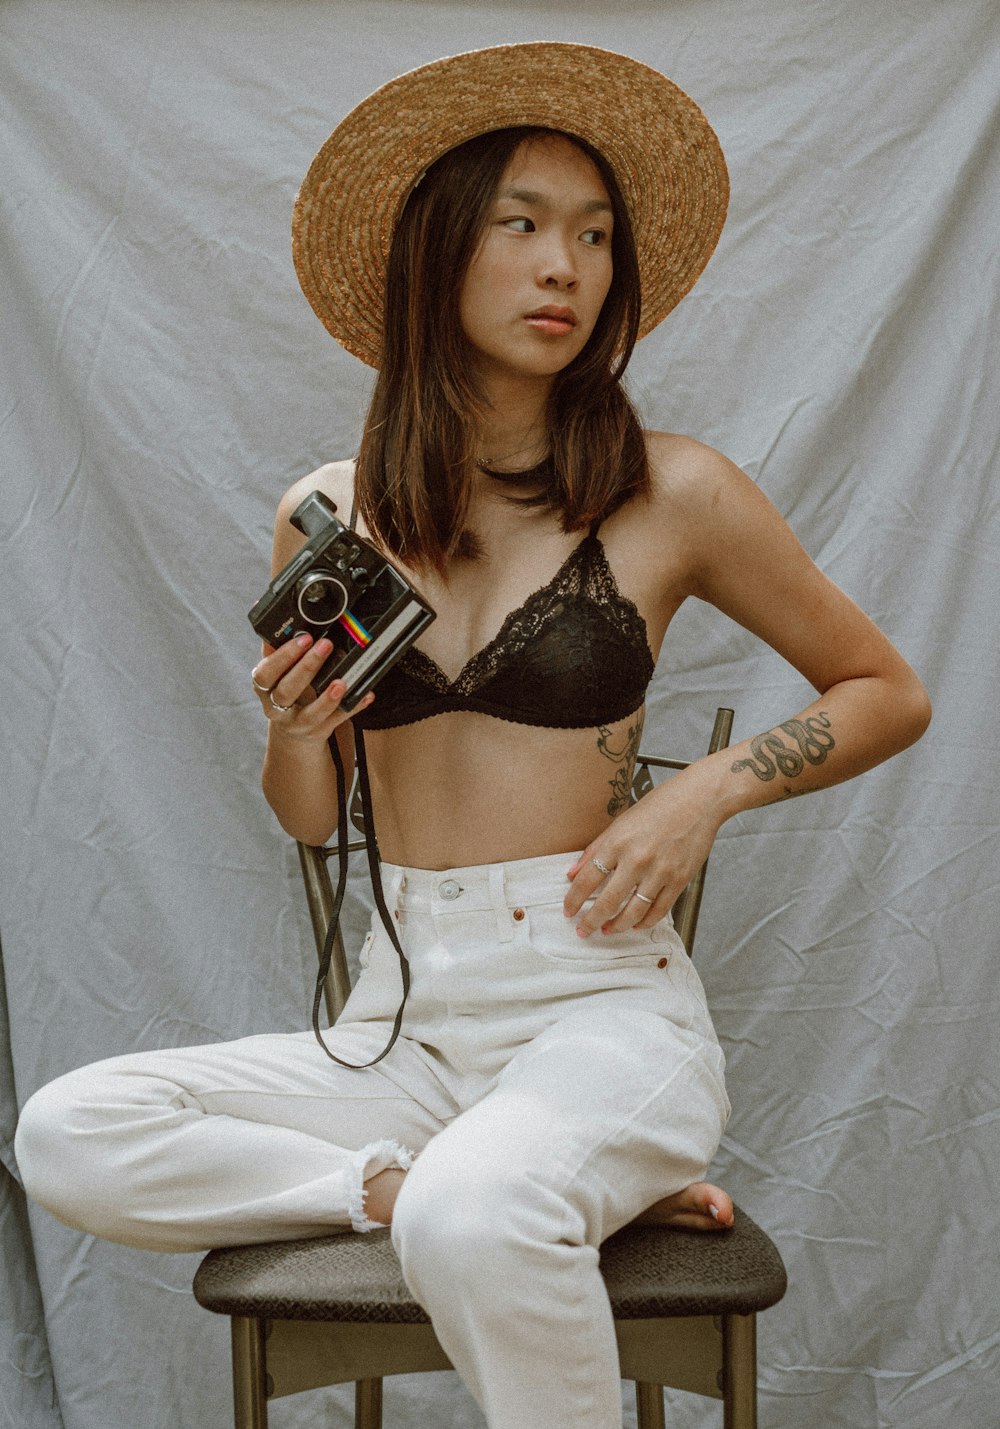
x: 463, y: 788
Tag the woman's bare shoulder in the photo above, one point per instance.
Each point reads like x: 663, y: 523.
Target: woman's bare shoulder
x: 688, y: 475
x: 335, y: 480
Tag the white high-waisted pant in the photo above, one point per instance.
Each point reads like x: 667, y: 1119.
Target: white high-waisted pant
x: 550, y: 1088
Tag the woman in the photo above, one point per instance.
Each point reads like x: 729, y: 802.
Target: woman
x: 557, y: 1074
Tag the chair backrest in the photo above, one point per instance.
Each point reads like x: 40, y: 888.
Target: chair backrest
x: 319, y: 890
x: 688, y: 905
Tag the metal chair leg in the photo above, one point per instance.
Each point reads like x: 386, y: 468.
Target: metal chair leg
x: 249, y: 1373
x: 739, y: 1371
x: 368, y: 1404
x: 649, y: 1406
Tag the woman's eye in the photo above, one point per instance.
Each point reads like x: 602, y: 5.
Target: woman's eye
x: 519, y: 225
x: 594, y: 236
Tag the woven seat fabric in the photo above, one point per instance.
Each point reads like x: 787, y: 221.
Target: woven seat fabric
x: 345, y: 1277
x: 653, y: 1271
x: 650, y: 1271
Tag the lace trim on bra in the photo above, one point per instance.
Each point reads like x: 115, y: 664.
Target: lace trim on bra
x: 578, y: 575
x: 585, y: 574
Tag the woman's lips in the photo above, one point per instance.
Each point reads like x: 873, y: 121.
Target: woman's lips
x: 554, y: 321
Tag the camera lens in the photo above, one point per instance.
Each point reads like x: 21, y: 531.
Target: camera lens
x: 321, y: 598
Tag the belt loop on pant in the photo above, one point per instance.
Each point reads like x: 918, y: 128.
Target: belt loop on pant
x: 396, y: 885
x: 498, y: 898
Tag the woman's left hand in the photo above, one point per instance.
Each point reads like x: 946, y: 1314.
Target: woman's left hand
x: 635, y: 870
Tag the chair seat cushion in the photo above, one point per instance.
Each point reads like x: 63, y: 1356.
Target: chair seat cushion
x: 650, y: 1272
x: 654, y: 1271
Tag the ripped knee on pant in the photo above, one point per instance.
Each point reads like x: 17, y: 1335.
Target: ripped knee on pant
x: 368, y: 1162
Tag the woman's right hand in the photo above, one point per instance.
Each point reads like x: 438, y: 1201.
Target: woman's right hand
x: 282, y: 680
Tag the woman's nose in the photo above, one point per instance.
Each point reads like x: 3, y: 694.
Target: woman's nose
x: 558, y: 270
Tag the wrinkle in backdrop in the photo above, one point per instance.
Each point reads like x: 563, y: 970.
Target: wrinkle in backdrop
x: 163, y: 382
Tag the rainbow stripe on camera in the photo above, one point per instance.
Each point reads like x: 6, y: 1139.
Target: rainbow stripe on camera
x: 355, y: 629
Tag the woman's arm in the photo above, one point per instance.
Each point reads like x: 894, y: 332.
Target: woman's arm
x: 299, y: 779
x: 744, y: 560
x: 748, y: 564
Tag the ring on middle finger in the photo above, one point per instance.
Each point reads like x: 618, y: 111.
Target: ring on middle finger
x: 275, y: 706
x: 261, y: 689
x: 602, y: 866
x: 642, y: 897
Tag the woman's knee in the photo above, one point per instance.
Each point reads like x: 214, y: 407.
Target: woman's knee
x: 62, y: 1147
x: 456, y: 1224
x: 43, y: 1146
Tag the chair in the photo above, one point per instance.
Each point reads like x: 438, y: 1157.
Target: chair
x: 336, y: 1309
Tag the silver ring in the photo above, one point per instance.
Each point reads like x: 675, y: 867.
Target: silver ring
x: 261, y: 689
x: 642, y: 897
x: 602, y: 866
x: 275, y: 706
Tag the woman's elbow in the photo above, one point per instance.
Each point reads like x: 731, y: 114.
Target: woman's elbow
x: 914, y: 711
x: 308, y: 824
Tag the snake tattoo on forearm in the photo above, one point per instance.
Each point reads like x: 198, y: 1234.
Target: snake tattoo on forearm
x: 772, y: 756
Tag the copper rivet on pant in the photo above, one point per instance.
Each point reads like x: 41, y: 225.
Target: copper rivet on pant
x: 662, y: 963
x: 518, y: 914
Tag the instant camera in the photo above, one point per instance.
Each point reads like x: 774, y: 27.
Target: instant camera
x: 341, y: 587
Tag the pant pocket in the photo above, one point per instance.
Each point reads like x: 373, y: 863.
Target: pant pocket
x: 553, y: 937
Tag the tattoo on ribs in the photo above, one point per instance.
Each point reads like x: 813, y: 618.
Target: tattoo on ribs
x: 621, y: 784
x: 772, y: 756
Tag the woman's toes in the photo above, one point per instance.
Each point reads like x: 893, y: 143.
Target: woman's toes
x: 709, y: 1200
x: 700, y: 1206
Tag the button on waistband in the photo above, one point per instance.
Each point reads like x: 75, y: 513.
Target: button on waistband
x: 449, y: 889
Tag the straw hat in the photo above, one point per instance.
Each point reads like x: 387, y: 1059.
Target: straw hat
x: 666, y: 158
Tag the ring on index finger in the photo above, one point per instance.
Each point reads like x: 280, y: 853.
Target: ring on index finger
x: 642, y: 897
x: 602, y: 866
x: 275, y: 706
x: 261, y: 689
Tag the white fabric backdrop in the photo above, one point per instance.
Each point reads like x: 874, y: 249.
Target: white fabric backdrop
x: 164, y: 381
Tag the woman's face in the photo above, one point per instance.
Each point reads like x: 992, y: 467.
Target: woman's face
x: 535, y: 287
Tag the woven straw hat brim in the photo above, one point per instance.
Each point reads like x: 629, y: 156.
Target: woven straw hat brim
x: 665, y: 155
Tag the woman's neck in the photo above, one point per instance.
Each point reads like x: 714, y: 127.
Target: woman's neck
x: 513, y: 432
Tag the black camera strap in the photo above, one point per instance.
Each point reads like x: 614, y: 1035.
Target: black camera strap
x: 374, y: 869
x: 375, y: 873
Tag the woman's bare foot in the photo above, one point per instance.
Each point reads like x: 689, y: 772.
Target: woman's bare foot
x: 381, y: 1191
x: 699, y: 1207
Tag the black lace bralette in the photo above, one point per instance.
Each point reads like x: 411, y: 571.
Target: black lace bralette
x: 574, y: 654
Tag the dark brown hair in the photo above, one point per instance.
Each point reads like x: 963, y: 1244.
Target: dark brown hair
x: 413, y: 474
